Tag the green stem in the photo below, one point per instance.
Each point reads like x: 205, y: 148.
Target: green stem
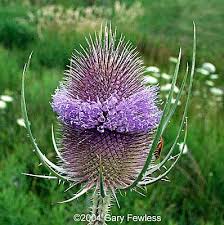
x: 100, y: 208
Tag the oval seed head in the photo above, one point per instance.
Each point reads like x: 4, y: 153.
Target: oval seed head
x: 108, y: 117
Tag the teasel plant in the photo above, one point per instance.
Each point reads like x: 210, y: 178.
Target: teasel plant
x: 110, y: 124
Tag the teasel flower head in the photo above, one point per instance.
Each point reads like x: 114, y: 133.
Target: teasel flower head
x: 110, y: 123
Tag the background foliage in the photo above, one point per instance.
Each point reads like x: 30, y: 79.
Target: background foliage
x: 52, y: 29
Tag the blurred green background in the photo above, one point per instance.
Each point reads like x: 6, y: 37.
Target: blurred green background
x: 52, y: 29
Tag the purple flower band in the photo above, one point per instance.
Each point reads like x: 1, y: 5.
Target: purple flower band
x: 135, y: 114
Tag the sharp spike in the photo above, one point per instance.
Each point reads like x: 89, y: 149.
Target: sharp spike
x: 79, y: 194
x: 39, y: 176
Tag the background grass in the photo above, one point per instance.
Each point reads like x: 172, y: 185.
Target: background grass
x: 195, y: 194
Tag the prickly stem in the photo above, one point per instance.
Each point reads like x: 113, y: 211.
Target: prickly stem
x: 100, y: 209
